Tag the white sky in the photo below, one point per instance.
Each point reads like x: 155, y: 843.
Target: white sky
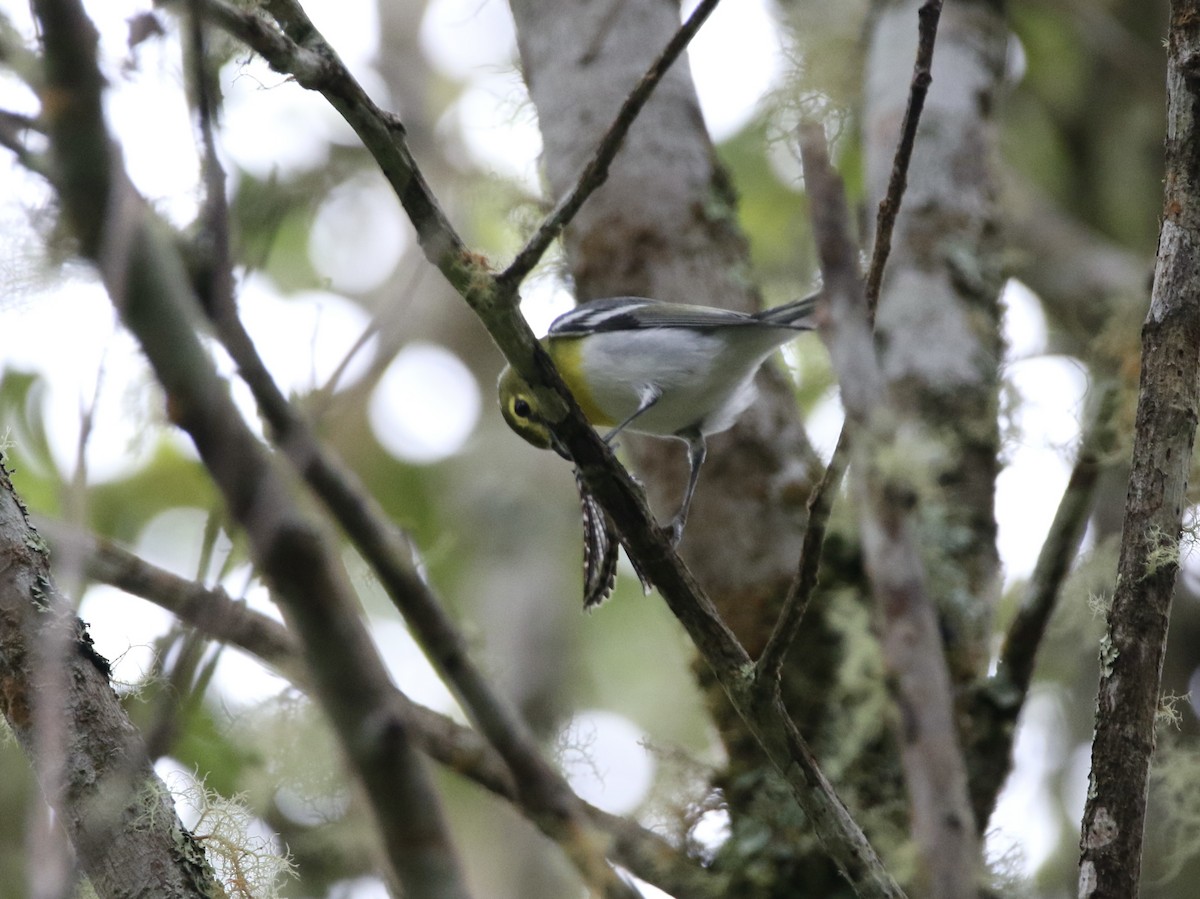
x: 272, y: 125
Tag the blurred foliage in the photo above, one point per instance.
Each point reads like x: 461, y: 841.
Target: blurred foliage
x: 1086, y: 123
x: 495, y: 526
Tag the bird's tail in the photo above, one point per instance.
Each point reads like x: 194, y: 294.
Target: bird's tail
x: 798, y: 314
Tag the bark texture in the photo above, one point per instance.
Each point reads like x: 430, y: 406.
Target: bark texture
x: 88, y: 758
x: 938, y: 317
x: 1131, y: 653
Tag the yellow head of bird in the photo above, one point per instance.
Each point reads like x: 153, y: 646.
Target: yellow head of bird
x: 519, y: 407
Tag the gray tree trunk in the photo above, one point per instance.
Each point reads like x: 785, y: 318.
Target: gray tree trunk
x: 938, y: 317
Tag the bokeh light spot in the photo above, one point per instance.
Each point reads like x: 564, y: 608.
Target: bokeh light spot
x: 425, y: 405
x: 604, y: 761
x: 359, y: 235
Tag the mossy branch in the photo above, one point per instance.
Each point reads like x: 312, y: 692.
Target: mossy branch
x: 1165, y: 430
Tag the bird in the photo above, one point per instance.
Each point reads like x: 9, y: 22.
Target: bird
x: 651, y: 367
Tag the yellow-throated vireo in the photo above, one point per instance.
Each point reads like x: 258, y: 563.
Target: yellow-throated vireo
x: 663, y: 369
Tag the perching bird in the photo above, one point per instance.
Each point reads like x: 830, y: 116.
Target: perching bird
x: 662, y: 369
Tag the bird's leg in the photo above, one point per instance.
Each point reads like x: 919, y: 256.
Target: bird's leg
x: 650, y: 396
x: 697, y: 450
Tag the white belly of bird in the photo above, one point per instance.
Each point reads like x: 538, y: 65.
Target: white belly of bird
x: 707, y: 383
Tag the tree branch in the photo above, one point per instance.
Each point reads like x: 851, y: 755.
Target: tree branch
x: 997, y: 702
x: 12, y: 127
x: 596, y: 171
x: 1131, y: 652
x: 208, y: 609
x: 1019, y: 651
x: 315, y: 66
x: 1082, y: 278
x: 932, y: 761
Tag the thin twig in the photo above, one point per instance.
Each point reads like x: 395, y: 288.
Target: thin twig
x: 889, y: 207
x: 318, y: 68
x: 210, y: 609
x: 215, y: 212
x: 382, y: 328
x: 1025, y: 634
x: 820, y: 504
x: 596, y: 171
x: 769, y: 666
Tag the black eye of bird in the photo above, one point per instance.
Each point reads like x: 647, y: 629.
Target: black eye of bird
x: 521, y: 408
